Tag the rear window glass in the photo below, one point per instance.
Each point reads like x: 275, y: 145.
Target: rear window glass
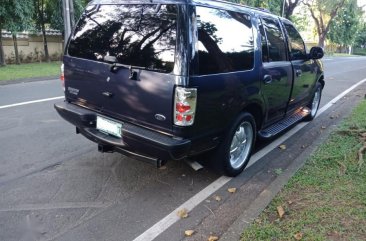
x: 138, y: 35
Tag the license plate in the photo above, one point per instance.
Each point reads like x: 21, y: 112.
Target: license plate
x: 108, y: 126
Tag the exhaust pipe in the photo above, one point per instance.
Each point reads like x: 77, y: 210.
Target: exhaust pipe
x: 105, y: 149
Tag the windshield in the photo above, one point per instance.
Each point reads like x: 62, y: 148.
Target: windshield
x: 138, y: 35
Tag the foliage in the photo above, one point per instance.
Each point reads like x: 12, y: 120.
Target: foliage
x: 15, y: 16
x: 361, y: 36
x: 323, y: 13
x: 54, y: 13
x: 274, y: 6
x: 344, y: 28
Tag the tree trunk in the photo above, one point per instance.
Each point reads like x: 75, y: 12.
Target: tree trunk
x: 2, y: 54
x: 290, y: 7
x: 321, y: 42
x: 15, y: 42
x: 46, y: 54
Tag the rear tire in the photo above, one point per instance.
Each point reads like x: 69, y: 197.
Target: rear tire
x: 233, y: 154
x: 314, y: 103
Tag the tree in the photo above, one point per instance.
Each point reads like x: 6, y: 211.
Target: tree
x: 361, y: 36
x: 290, y: 6
x: 323, y: 12
x: 345, y: 26
x: 54, y: 13
x: 15, y: 16
x: 3, y: 11
x: 40, y: 17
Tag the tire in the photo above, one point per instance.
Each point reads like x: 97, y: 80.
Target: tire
x: 233, y: 154
x: 314, y: 103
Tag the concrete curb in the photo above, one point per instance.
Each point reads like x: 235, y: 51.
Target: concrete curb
x: 26, y: 80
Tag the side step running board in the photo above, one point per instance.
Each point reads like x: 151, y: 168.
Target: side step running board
x: 284, y: 124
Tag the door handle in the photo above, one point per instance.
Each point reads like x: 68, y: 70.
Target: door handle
x: 267, y: 79
x: 298, y: 73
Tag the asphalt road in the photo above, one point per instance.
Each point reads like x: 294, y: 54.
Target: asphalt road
x: 55, y: 185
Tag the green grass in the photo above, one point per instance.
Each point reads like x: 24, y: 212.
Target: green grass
x: 11, y: 72
x: 326, y: 199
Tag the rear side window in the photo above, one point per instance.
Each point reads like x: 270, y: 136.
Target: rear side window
x: 138, y: 35
x: 297, y: 46
x: 225, y: 41
x: 277, y: 50
x: 265, y: 54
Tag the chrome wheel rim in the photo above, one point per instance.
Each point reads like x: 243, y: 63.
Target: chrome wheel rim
x: 241, y: 145
x: 315, y: 104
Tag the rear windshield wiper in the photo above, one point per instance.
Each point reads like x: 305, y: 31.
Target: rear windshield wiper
x: 114, y: 67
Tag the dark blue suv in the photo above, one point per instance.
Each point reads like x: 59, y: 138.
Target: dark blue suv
x: 165, y: 80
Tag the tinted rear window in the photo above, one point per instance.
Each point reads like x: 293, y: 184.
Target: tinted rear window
x: 138, y: 35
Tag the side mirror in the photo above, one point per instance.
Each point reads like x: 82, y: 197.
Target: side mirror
x: 316, y: 53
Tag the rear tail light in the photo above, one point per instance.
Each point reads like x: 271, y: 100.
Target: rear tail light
x: 62, y: 76
x: 185, y: 106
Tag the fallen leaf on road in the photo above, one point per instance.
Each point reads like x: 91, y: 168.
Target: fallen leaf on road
x: 282, y: 147
x: 218, y: 198
x: 189, y: 233
x: 232, y: 190
x: 183, y: 213
x: 280, y: 211
x: 298, y: 236
x: 213, y: 238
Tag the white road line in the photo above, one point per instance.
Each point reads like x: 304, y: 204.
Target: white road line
x: 31, y: 102
x: 194, y: 201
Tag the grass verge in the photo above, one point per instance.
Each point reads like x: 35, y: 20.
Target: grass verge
x: 326, y: 199
x: 11, y: 72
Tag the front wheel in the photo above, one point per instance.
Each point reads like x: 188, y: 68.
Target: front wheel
x: 315, y: 102
x: 233, y: 154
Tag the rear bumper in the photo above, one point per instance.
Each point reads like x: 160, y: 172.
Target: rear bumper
x: 136, y: 141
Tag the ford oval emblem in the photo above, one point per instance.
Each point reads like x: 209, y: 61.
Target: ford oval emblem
x: 160, y: 117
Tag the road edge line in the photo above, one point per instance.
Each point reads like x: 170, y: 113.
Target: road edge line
x: 30, y: 102
x: 162, y: 225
